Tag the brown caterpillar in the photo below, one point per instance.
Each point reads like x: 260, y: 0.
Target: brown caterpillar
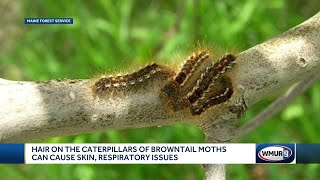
x: 174, y: 89
x: 141, y: 77
x: 188, y: 68
x: 212, y: 98
x: 210, y: 75
x: 195, y: 86
x: 190, y: 65
x: 208, y: 89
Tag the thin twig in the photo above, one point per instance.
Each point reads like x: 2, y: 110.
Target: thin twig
x: 297, y: 89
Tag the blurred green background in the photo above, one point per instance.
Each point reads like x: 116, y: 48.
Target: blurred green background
x: 108, y: 35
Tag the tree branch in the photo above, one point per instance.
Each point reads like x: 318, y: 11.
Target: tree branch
x: 277, y: 105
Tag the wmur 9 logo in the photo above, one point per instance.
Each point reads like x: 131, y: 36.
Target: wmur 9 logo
x: 275, y: 153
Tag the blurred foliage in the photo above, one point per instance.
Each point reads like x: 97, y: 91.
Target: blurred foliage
x: 109, y: 35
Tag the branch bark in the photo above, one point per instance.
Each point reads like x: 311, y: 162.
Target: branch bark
x: 276, y: 106
x: 38, y: 110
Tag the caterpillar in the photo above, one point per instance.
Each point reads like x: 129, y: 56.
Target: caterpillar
x: 141, y: 77
x: 203, y: 92
x: 198, y: 85
x: 212, y: 99
x: 210, y: 75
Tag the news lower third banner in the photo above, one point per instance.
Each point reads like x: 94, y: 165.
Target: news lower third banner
x: 159, y: 153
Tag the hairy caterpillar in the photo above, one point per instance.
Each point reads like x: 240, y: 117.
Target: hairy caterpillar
x: 210, y: 75
x: 140, y: 77
x: 196, y: 86
x: 200, y: 96
x: 209, y: 98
